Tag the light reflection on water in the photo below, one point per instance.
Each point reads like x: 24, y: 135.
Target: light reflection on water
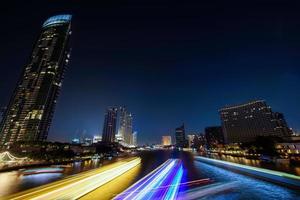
x: 13, y: 181
x: 248, y: 188
x: 285, y: 167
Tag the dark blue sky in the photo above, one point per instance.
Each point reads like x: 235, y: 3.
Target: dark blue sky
x: 169, y: 62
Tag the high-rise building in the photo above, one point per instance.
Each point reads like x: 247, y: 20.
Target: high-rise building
x: 281, y: 125
x: 2, y: 111
x: 31, y: 107
x: 166, y: 140
x: 190, y: 139
x: 97, y: 138
x: 109, y: 126
x: 180, y: 137
x: 134, y: 138
x: 214, y: 136
x: 129, y: 131
x: 122, y: 113
x: 243, y: 123
x: 125, y: 126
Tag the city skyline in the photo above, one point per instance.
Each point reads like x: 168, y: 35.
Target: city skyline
x: 187, y: 78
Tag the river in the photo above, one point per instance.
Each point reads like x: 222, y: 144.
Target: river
x: 242, y: 187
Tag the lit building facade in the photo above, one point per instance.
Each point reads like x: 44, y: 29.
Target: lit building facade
x: 109, y: 126
x: 243, y: 123
x: 97, y: 138
x: 134, y: 138
x: 180, y: 137
x: 191, y: 139
x: 29, y: 113
x: 125, y: 129
x: 166, y: 140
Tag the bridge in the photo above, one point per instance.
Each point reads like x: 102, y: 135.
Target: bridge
x: 7, y: 157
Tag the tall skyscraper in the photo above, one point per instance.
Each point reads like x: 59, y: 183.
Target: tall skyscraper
x: 190, y: 140
x: 109, y: 126
x: 243, y: 123
x: 31, y: 107
x: 281, y: 125
x: 129, y: 130
x: 180, y: 137
x: 122, y: 113
x: 134, y: 139
x: 125, y: 126
x: 166, y: 140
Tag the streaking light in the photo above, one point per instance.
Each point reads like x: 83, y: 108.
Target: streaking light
x: 173, y: 190
x: 141, y: 183
x: 275, y: 176
x: 79, y: 188
x: 153, y: 183
x: 163, y: 183
x: 268, y: 171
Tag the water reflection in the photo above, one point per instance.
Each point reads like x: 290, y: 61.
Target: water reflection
x: 285, y: 167
x: 247, y: 187
x: 116, y: 186
x: 15, y: 181
x: 40, y: 179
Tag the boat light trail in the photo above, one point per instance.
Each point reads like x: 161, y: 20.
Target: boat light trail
x: 155, y: 182
x: 204, y: 191
x: 162, y: 183
x: 138, y: 185
x: 67, y: 189
x: 173, y: 190
x: 275, y: 176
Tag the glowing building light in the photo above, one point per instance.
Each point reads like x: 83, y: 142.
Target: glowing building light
x: 58, y: 19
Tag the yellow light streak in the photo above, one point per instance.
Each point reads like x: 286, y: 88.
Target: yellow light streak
x: 79, y: 184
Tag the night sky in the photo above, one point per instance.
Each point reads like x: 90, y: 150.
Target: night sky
x: 169, y: 62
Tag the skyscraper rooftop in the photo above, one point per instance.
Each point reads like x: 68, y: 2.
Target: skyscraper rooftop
x: 57, y: 19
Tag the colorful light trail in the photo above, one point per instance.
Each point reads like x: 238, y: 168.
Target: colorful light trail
x: 79, y: 185
x: 275, y: 176
x: 173, y: 190
x: 162, y: 183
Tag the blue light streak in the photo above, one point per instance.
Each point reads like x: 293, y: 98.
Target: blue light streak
x: 143, y: 182
x: 173, y: 190
x: 162, y: 183
x: 274, y: 176
x: 145, y: 192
